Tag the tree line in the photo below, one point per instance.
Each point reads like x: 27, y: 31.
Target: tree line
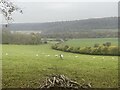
x: 20, y: 38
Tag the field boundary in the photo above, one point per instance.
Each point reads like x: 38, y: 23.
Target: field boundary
x: 96, y: 50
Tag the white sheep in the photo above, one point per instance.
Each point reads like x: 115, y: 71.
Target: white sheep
x: 36, y: 55
x: 93, y: 57
x: 6, y: 53
x: 61, y: 56
x: 112, y: 57
x: 48, y: 55
x: 76, y: 56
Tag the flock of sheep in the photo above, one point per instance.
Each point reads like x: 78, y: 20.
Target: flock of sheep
x: 61, y: 56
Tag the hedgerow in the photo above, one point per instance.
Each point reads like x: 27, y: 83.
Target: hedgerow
x: 95, y: 50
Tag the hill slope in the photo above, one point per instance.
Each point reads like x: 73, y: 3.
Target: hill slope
x: 95, y: 27
x: 95, y: 23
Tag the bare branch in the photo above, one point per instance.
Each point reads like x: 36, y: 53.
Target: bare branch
x: 7, y: 8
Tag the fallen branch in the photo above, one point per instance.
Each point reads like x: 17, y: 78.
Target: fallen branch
x: 61, y: 81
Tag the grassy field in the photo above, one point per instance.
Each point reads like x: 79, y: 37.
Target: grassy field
x: 28, y: 65
x: 91, y: 42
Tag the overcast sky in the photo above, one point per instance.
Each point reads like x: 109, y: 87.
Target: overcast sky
x: 62, y: 11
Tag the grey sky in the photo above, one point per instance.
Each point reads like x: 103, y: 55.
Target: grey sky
x: 62, y: 11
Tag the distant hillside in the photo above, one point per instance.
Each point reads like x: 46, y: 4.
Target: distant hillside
x: 89, y: 26
x: 95, y: 23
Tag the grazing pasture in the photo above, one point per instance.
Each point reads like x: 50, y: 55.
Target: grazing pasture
x: 91, y: 42
x: 96, y: 46
x: 28, y: 65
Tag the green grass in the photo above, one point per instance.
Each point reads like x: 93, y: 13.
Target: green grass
x: 22, y: 68
x: 91, y: 42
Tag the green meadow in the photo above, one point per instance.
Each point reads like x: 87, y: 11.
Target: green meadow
x: 27, y: 66
x: 85, y: 42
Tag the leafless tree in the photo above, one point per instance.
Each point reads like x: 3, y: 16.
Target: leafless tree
x: 7, y: 8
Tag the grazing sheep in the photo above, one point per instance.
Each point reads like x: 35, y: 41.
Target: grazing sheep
x: 76, y: 56
x: 112, y: 57
x: 93, y: 57
x: 48, y: 55
x: 61, y: 56
x: 36, y: 54
x: 6, y: 53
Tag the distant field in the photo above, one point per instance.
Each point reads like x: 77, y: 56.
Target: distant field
x: 91, y: 42
x: 28, y: 65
